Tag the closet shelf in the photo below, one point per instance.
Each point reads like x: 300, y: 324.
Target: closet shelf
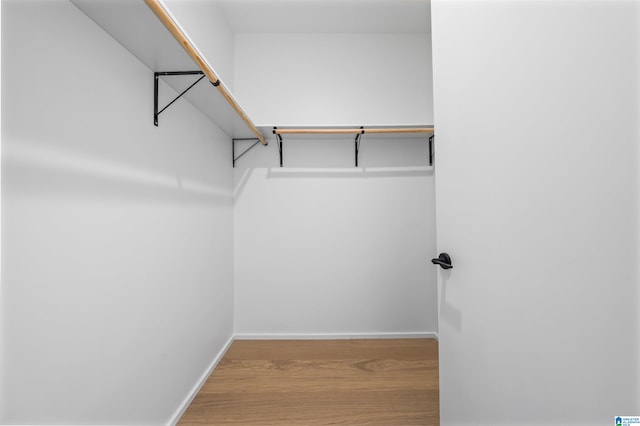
x: 359, y: 132
x: 149, y: 32
x: 192, y: 51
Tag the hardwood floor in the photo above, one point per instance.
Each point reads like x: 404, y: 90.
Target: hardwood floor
x: 321, y: 382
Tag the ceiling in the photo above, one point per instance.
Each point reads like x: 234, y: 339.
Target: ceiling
x: 328, y: 16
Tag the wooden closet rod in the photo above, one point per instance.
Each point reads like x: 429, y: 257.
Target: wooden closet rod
x: 177, y: 33
x: 401, y: 130
x: 353, y: 131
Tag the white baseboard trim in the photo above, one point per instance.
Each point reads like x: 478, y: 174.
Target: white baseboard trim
x: 196, y: 388
x: 332, y: 336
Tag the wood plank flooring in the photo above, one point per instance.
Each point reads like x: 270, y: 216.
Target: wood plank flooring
x: 322, y: 382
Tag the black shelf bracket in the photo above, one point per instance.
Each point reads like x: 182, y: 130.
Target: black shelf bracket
x: 156, y: 76
x: 431, y: 150
x: 233, y: 147
x: 279, y: 141
x: 357, y: 143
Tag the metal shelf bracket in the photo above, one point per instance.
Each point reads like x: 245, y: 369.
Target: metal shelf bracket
x: 357, y: 143
x: 279, y: 141
x: 233, y: 148
x: 431, y: 150
x: 156, y: 76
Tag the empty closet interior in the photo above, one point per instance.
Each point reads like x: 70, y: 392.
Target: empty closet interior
x: 179, y: 174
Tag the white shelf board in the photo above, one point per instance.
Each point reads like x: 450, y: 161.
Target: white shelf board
x: 136, y: 27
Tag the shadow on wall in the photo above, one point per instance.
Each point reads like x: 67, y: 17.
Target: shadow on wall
x: 333, y: 173
x: 449, y: 312
x: 40, y: 170
x: 363, y: 172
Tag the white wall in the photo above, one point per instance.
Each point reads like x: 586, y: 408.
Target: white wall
x: 326, y: 249
x: 206, y: 26
x: 334, y: 79
x: 116, y: 235
x: 536, y: 109
x: 323, y: 248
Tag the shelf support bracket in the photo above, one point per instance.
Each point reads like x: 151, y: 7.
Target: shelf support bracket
x: 357, y: 143
x: 431, y: 150
x: 156, y: 76
x: 279, y: 137
x: 233, y: 148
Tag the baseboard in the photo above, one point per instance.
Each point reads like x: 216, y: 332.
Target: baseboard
x: 331, y: 336
x: 196, y: 388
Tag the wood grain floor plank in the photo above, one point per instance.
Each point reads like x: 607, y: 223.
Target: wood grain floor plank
x: 312, y: 375
x: 343, y: 382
